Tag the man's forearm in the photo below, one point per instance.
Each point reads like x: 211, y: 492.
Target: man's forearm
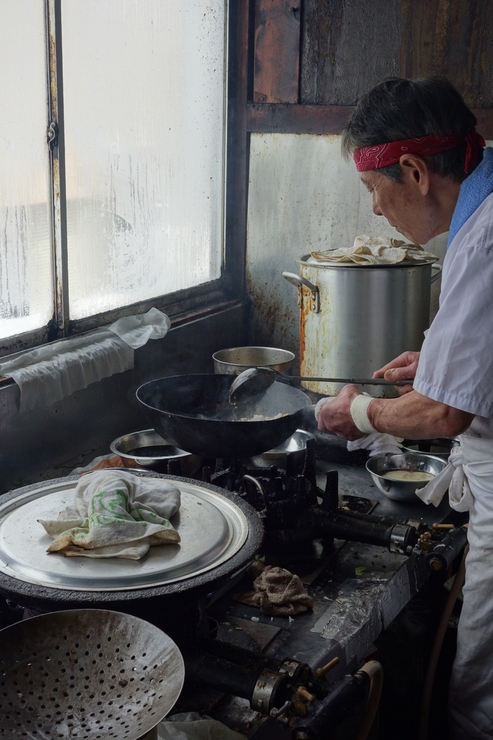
x: 414, y: 416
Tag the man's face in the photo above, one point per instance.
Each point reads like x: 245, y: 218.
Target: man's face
x: 402, y: 205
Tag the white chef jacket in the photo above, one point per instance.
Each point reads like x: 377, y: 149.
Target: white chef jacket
x: 456, y: 361
x: 456, y: 368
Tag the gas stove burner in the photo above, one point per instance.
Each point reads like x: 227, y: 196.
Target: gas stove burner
x: 296, y: 514
x: 279, y: 498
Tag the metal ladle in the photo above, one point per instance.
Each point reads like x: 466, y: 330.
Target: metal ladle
x: 255, y: 381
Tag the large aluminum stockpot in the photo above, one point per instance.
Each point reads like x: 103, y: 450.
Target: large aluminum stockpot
x: 356, y: 318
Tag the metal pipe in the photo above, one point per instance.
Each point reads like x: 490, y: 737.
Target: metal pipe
x: 337, y: 706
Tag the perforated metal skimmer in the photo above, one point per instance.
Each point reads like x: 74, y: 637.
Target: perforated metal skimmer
x: 89, y: 674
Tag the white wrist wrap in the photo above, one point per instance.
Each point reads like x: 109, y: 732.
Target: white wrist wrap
x: 359, y: 413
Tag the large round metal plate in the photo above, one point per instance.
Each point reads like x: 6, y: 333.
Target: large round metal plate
x: 211, y: 526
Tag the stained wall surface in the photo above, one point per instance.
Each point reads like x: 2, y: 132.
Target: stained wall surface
x: 303, y: 196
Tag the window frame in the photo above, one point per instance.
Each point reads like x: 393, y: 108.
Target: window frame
x: 183, y: 305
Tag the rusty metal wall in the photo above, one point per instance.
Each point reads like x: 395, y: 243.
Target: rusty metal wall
x: 303, y: 196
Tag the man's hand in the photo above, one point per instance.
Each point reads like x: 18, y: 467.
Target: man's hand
x: 401, y: 368
x: 335, y: 417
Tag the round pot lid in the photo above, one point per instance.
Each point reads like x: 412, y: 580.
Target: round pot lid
x: 212, y: 526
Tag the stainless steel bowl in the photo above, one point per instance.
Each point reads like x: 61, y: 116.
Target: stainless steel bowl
x: 236, y: 359
x: 402, y: 490
x: 439, y: 447
x: 294, y: 447
x: 149, y: 450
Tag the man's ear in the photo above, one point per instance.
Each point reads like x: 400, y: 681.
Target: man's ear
x: 415, y: 171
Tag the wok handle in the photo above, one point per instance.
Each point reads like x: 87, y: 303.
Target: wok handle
x: 306, y: 418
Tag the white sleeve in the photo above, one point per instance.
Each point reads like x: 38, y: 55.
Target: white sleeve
x: 456, y: 361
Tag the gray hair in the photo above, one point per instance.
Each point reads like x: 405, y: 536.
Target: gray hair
x: 398, y: 109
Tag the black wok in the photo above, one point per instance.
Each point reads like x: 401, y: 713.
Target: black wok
x: 193, y: 412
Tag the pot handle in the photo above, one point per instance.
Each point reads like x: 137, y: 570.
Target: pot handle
x: 299, y: 282
x: 437, y: 274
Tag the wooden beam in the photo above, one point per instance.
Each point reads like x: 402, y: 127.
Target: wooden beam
x: 297, y: 119
x: 323, y: 119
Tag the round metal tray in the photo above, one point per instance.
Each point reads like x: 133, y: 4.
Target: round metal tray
x: 212, y: 529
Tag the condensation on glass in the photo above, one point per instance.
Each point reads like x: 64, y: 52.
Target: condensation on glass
x: 144, y: 97
x: 26, y: 285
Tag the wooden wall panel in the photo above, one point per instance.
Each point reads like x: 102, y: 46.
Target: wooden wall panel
x: 347, y: 47
x: 324, y: 119
x: 453, y: 38
x: 277, y: 47
x: 350, y: 45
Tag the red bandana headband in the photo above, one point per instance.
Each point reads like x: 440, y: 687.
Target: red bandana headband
x: 382, y: 155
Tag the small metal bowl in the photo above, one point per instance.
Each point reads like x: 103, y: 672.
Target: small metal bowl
x: 294, y: 447
x: 439, y: 447
x: 415, y: 461
x: 236, y: 359
x: 149, y: 450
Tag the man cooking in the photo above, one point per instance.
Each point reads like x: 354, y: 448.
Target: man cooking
x: 415, y: 144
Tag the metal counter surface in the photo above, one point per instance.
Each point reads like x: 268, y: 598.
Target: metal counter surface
x: 358, y: 591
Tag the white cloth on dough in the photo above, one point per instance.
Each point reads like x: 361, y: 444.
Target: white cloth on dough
x: 376, y: 443
x: 375, y: 250
x: 54, y: 371
x: 115, y: 514
x: 192, y: 726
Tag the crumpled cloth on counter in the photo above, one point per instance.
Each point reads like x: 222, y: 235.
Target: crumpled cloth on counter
x: 193, y: 726
x: 375, y: 250
x: 277, y: 592
x: 50, y: 373
x: 115, y: 514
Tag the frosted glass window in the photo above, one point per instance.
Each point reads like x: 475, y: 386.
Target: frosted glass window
x: 26, y: 292
x: 144, y: 99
